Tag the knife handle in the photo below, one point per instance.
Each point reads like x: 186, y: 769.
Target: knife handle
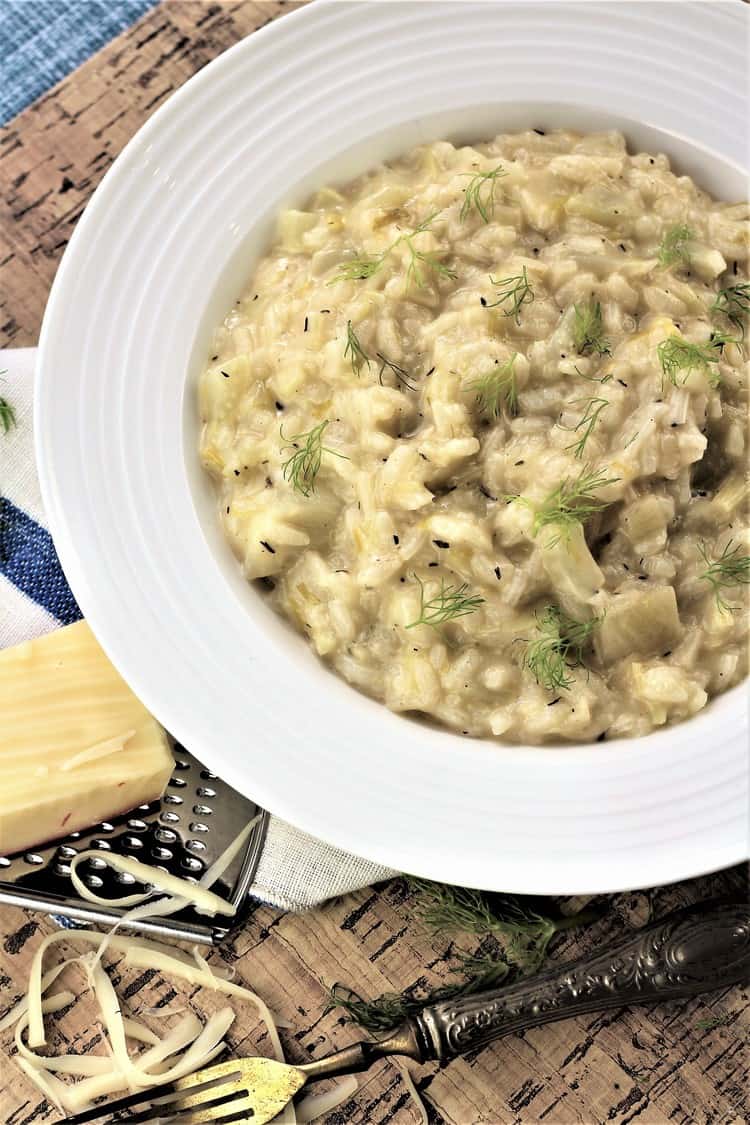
x: 691, y: 951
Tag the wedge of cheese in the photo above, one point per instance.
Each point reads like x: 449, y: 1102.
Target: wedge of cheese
x: 76, y: 746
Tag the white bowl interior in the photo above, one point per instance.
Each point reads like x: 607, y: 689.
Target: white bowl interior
x: 470, y: 124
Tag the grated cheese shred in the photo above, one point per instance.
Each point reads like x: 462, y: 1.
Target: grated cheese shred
x: 187, y: 1047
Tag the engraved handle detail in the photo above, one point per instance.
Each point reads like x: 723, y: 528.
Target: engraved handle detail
x: 691, y: 951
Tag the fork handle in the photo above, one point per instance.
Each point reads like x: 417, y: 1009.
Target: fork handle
x: 691, y: 951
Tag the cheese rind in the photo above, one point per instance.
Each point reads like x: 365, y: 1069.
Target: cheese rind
x: 76, y: 746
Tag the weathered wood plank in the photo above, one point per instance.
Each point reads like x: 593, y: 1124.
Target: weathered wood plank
x: 654, y: 1066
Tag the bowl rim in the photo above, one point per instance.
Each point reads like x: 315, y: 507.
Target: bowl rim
x: 389, y: 853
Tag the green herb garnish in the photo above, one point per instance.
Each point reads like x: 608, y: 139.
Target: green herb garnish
x: 519, y: 924
x: 480, y: 193
x: 481, y: 971
x: 733, y: 302
x: 354, y: 350
x: 7, y: 415
x: 402, y: 376
x: 450, y: 603
x: 359, y: 268
x: 719, y: 340
x: 366, y: 265
x: 387, y: 1010
x: 572, y: 502
x: 303, y: 466
x: 588, y: 330
x: 589, y: 418
x: 498, y: 386
x: 558, y: 648
x: 677, y: 355
x: 515, y: 934
x: 592, y: 378
x: 419, y: 258
x: 730, y: 569
x: 713, y: 1021
x: 673, y: 246
x: 516, y: 291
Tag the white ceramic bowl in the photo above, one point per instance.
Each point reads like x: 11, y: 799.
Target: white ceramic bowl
x: 166, y: 244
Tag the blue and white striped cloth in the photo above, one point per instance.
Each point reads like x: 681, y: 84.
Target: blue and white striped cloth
x: 34, y: 596
x: 296, y: 871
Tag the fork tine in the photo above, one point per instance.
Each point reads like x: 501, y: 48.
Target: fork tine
x: 239, y: 1117
x: 212, y: 1109
x: 190, y: 1085
x: 142, y: 1096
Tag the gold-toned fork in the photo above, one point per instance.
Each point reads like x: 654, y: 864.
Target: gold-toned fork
x: 688, y: 952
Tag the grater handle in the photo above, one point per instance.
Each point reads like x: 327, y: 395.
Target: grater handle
x: 688, y: 952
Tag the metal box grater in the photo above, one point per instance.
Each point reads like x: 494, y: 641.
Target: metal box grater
x: 183, y: 833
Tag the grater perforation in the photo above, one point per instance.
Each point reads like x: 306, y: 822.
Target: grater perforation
x: 197, y: 818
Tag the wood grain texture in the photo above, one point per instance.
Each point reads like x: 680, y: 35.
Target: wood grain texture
x: 654, y: 1066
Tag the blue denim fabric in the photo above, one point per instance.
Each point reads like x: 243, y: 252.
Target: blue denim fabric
x: 43, y: 40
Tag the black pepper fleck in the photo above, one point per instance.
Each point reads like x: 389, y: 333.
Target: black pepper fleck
x: 498, y: 573
x: 224, y: 373
x: 601, y: 737
x: 307, y: 322
x: 268, y: 546
x: 554, y: 701
x: 622, y: 382
x: 395, y: 540
x: 441, y: 543
x: 433, y: 564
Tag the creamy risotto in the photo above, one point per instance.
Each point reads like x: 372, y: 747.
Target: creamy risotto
x: 479, y: 427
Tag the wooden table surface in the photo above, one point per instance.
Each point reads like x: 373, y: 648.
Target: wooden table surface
x: 655, y: 1065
